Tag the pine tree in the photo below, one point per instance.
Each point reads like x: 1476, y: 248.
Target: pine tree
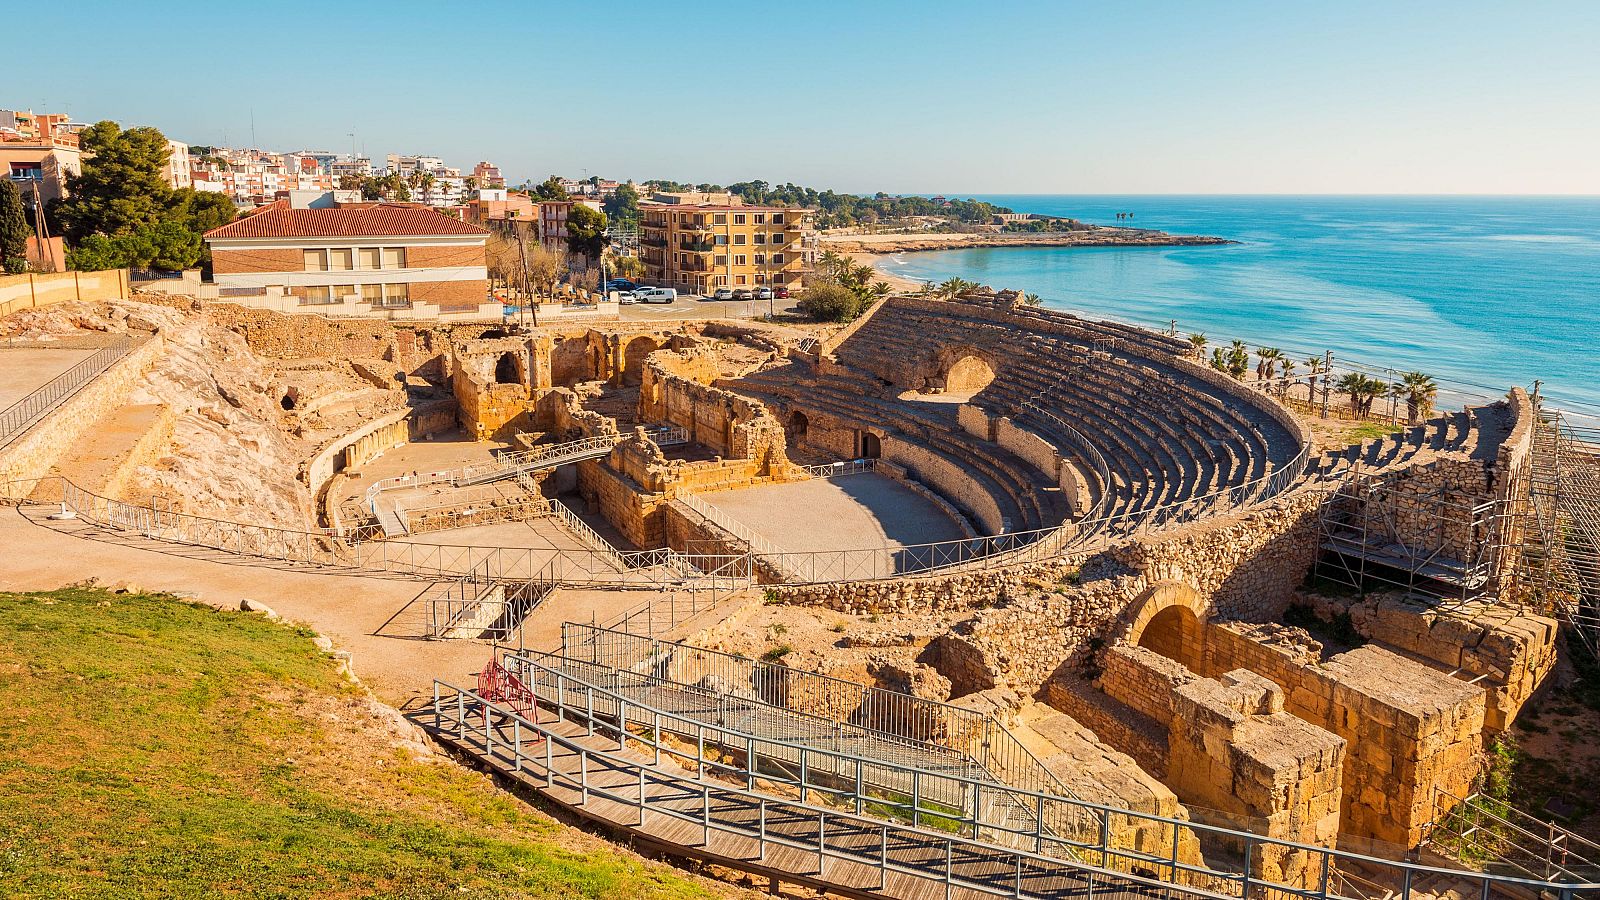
x: 14, y: 231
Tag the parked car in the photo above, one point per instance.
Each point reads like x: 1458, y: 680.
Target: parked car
x: 742, y: 294
x: 782, y: 293
x: 763, y: 293
x: 723, y: 294
x: 626, y: 297
x: 656, y: 295
x: 620, y: 284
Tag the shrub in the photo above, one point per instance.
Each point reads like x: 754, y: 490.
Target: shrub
x: 829, y: 302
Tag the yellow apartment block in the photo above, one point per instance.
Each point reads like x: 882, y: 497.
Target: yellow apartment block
x: 699, y: 247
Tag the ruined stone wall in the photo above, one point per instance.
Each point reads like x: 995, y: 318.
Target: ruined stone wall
x: 676, y: 389
x: 1505, y: 650
x: 1234, y: 749
x: 1411, y: 730
x: 1244, y: 565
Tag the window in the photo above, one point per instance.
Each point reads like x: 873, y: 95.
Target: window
x: 372, y: 293
x: 316, y: 260
x: 761, y: 259
x: 722, y: 261
x: 317, y: 295
x: 341, y: 259
x: 720, y: 281
x: 369, y: 258
x: 394, y: 257
x: 777, y: 259
x: 777, y: 237
x: 738, y: 218
x: 738, y: 239
x: 722, y: 239
x: 738, y: 259
x: 720, y: 219
x: 397, y: 295
x: 761, y: 218
x: 777, y: 218
x: 738, y: 279
x: 761, y: 279
x: 761, y: 238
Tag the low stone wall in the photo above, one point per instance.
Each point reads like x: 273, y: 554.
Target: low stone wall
x: 898, y: 475
x: 33, y: 454
x: 689, y: 532
x: 375, y: 438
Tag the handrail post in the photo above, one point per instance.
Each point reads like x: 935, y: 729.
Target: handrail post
x: 883, y: 858
x: 583, y: 774
x: 761, y: 833
x: 642, y: 770
x: 949, y: 864
x: 705, y: 814
x: 822, y: 843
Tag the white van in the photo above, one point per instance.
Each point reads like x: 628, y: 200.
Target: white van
x: 655, y: 295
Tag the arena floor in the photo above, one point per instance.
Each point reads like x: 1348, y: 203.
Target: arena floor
x: 848, y: 513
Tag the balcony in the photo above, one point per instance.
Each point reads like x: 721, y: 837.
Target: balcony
x: 705, y: 246
x: 653, y: 242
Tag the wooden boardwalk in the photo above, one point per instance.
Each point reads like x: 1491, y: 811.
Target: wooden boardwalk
x: 670, y: 808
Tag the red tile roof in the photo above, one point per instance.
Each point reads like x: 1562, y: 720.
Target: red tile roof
x: 277, y: 220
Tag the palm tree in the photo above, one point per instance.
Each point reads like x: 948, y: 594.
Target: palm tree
x: 1218, y: 360
x: 1032, y: 299
x: 1238, y: 359
x: 1197, y: 340
x: 1317, y: 364
x: 1286, y: 372
x: 1420, y: 391
x: 955, y: 287
x: 1354, y: 385
x: 1267, y: 362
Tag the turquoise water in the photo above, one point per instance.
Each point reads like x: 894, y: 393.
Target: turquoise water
x: 1485, y: 291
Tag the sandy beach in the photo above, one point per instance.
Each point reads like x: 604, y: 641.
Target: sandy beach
x: 886, y: 273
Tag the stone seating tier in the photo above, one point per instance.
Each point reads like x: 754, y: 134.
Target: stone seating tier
x: 1022, y: 493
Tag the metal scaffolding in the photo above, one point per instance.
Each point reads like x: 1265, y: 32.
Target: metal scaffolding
x: 1561, y: 567
x: 1389, y: 531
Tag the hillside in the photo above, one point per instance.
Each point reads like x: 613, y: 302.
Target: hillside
x: 157, y: 748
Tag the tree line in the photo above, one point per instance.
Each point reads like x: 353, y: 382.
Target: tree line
x: 120, y: 211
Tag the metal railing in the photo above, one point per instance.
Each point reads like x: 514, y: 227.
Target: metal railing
x: 16, y: 419
x: 758, y: 545
x: 992, y: 862
x: 902, y: 718
x: 477, y: 606
x: 509, y: 465
x: 841, y: 468
x: 1493, y: 836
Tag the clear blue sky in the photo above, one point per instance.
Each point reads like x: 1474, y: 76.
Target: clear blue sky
x: 958, y: 97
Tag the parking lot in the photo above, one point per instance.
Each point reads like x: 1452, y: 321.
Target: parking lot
x: 694, y: 306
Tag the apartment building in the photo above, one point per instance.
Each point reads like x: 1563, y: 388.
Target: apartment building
x: 323, y: 251
x: 42, y: 163
x: 488, y: 175
x: 553, y: 216
x: 701, y: 246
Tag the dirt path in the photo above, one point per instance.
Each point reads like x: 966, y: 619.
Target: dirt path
x: 363, y: 613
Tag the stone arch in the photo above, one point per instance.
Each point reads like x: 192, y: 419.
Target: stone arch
x: 963, y: 369
x: 798, y: 425
x: 508, y: 369
x: 633, y: 358
x: 1169, y: 619
x: 871, y: 446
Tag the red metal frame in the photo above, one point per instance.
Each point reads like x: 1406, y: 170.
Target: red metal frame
x: 497, y: 685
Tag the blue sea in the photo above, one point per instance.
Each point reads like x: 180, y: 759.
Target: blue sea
x: 1485, y: 292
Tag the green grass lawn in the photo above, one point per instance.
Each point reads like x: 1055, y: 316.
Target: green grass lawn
x: 155, y: 748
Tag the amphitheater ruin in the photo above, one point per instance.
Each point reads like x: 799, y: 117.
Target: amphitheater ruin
x: 967, y: 597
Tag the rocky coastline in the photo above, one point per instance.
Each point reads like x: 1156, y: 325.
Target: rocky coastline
x: 1090, y: 237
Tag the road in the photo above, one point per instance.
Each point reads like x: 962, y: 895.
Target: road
x: 691, y: 306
